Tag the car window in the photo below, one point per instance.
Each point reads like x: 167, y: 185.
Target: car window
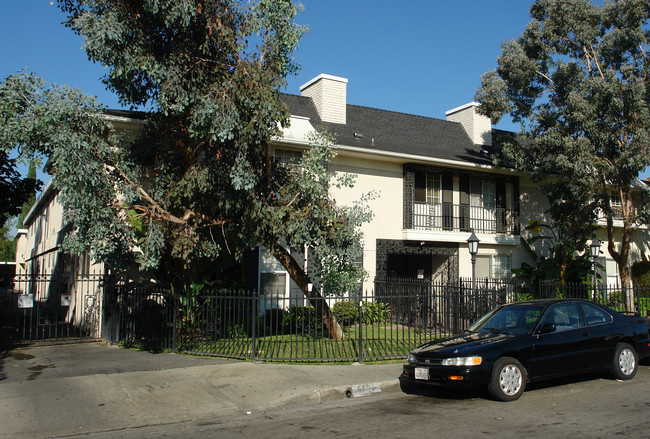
x: 595, y: 315
x: 512, y: 319
x: 565, y: 316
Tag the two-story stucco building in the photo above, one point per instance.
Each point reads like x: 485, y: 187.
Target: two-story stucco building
x: 435, y: 181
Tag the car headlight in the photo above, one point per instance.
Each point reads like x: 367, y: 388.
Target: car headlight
x: 412, y: 358
x: 462, y: 361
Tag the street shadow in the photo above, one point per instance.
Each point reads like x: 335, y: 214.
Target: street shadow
x: 4, y: 353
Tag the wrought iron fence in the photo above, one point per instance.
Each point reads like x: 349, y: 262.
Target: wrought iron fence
x: 397, y: 316
x: 400, y: 315
x: 636, y: 298
x: 37, y: 308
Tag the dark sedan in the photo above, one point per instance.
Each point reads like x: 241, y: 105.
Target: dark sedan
x: 530, y: 341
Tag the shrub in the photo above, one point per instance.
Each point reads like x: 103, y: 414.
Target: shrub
x: 524, y: 296
x: 641, y: 272
x: 347, y: 313
x: 303, y: 320
x: 375, y: 312
x: 273, y: 322
x: 616, y: 300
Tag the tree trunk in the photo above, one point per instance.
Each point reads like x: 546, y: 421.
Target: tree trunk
x: 621, y: 255
x: 315, y: 297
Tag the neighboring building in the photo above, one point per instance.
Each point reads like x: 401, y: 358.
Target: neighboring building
x: 65, y: 289
x: 434, y: 178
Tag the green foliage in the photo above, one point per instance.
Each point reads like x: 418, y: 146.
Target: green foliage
x: 577, y: 80
x: 558, y: 261
x: 347, y: 312
x: 641, y: 272
x: 303, y: 320
x: 375, y: 312
x: 524, y: 296
x: 14, y: 190
x: 7, y: 245
x: 199, y: 180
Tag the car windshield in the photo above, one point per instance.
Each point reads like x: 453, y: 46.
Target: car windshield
x: 511, y: 319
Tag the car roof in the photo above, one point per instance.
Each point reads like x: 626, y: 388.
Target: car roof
x: 548, y: 302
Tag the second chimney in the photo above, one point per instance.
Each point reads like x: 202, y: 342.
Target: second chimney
x: 477, y: 126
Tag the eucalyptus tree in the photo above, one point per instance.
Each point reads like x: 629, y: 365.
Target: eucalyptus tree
x: 577, y: 79
x: 14, y: 189
x: 199, y: 180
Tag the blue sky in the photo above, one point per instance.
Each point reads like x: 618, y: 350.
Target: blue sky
x: 420, y: 56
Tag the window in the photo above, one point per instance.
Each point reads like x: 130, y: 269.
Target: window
x: 482, y: 193
x: 273, y: 277
x: 565, y: 317
x: 501, y: 265
x: 611, y: 272
x: 434, y: 189
x: 288, y: 156
x: 595, y: 315
x: 615, y: 200
x: 482, y: 267
x: 493, y: 266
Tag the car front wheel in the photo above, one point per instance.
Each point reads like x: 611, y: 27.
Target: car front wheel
x: 508, y: 379
x: 625, y: 363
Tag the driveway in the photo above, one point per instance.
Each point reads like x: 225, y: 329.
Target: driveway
x: 41, y: 362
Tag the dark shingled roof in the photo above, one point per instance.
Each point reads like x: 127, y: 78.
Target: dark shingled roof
x: 126, y: 113
x: 394, y: 132
x: 388, y: 131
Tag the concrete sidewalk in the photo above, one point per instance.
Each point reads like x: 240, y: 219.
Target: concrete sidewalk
x: 50, y: 391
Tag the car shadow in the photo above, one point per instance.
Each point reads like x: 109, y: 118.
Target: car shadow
x: 432, y: 391
x: 563, y: 381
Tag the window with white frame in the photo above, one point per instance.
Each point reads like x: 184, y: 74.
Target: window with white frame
x: 288, y: 156
x: 273, y: 277
x: 434, y: 188
x: 494, y: 266
x: 501, y: 265
x: 611, y: 272
x: 482, y: 193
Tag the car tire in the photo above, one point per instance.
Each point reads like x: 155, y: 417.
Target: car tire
x: 508, y: 379
x: 625, y: 362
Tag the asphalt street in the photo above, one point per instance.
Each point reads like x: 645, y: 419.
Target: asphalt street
x: 100, y: 391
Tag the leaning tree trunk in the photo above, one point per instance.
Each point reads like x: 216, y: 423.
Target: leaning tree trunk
x: 315, y: 297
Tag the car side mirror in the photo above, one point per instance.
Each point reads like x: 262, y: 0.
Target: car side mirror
x: 546, y: 328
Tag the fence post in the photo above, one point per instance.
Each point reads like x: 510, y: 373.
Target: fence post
x: 253, y: 324
x: 361, y: 329
x: 175, y: 322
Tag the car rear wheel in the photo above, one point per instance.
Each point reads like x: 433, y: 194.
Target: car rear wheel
x: 625, y: 363
x: 508, y: 379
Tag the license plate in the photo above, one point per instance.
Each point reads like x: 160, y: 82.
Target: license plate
x: 421, y: 373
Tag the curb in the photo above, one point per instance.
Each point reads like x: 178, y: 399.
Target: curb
x: 358, y: 390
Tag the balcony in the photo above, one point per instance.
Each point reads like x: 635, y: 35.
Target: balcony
x: 462, y: 218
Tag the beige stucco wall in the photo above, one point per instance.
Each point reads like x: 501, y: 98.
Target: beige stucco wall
x: 385, y: 180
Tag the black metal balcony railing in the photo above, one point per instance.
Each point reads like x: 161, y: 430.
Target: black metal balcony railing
x: 463, y: 218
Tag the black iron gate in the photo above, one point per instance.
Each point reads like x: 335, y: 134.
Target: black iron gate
x: 48, y: 308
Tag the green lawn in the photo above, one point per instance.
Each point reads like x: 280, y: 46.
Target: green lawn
x: 378, y: 341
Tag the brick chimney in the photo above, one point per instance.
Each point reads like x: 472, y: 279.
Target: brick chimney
x: 477, y: 126
x: 329, y: 95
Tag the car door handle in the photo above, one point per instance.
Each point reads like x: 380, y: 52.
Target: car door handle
x: 586, y: 334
